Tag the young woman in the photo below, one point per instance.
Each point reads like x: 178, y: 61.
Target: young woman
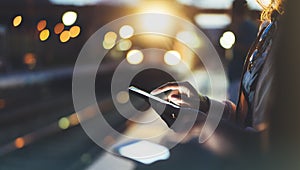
x: 251, y: 110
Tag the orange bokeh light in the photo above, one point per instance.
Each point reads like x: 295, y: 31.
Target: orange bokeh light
x: 2, y: 103
x: 17, y: 20
x: 41, y: 25
x: 29, y: 58
x: 20, y: 142
x: 73, y: 119
x: 64, y: 36
x: 74, y: 31
x: 59, y: 27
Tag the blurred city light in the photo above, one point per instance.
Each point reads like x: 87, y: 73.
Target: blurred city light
x: 124, y: 45
x: 156, y: 22
x: 41, y: 25
x: 86, y: 158
x: 109, y: 140
x: 161, y: 23
x: 73, y: 119
x: 44, y: 35
x: 126, y: 31
x: 19, y: 142
x: 212, y: 21
x: 122, y: 97
x: 63, y: 123
x: 172, y: 57
x: 189, y: 38
x: 17, y: 20
x: 218, y: 4
x: 30, y: 60
x: 134, y: 57
x: 64, y: 36
x: 69, y: 18
x: 74, y: 31
x: 109, y: 40
x: 58, y: 28
x: 2, y: 103
x: 76, y: 2
x: 227, y: 39
x: 162, y: 7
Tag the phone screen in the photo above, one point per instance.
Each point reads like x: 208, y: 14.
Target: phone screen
x: 142, y: 92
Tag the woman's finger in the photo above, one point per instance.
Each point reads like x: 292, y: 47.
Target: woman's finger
x: 166, y: 87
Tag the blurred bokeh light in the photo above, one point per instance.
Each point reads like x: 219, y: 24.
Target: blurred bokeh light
x: 17, y: 21
x: 44, y: 35
x: 227, y: 39
x: 64, y: 36
x: 69, y: 18
x: 172, y: 57
x: 74, y: 31
x: 124, y: 45
x: 126, y: 31
x: 41, y: 25
x: 58, y: 28
x: 135, y: 57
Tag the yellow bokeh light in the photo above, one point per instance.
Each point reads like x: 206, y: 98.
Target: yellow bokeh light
x: 74, y: 31
x: 44, y: 35
x: 126, y: 31
x: 122, y: 97
x: 59, y: 27
x: 109, y: 40
x: 124, y: 45
x: 17, y: 20
x: 134, y: 57
x: 64, y: 36
x: 227, y: 40
x: 69, y: 18
x: 172, y: 58
x: 110, y: 37
x: 64, y: 123
x: 107, y: 45
x: 41, y: 25
x: 19, y: 142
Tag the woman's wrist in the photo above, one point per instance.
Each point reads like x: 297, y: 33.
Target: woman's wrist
x: 204, y: 104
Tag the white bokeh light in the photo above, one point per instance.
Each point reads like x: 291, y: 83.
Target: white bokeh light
x: 69, y: 18
x: 126, y: 31
x: 135, y: 57
x: 172, y: 58
x: 227, y: 40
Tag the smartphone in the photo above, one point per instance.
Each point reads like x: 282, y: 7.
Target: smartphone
x: 146, y: 94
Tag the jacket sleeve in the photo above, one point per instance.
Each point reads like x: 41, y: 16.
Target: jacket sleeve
x: 229, y: 111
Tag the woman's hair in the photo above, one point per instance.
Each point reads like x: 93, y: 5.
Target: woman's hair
x: 275, y: 5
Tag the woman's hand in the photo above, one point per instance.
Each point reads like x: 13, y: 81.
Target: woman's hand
x: 183, y: 94
x: 179, y: 93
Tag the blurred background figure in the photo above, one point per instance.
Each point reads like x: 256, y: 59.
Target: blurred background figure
x: 245, y: 31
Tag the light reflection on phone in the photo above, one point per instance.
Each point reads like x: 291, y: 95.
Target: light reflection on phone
x: 143, y: 151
